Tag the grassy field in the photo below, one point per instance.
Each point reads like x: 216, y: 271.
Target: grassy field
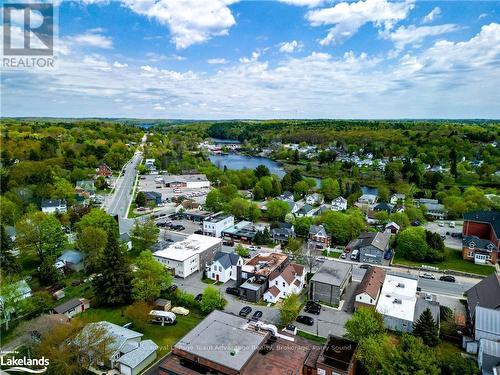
x: 165, y: 337
x: 311, y: 337
x: 453, y: 262
x: 331, y: 254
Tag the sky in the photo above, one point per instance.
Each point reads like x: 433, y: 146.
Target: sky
x: 229, y: 59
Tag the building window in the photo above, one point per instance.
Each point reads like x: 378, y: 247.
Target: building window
x: 283, y: 283
x: 276, y: 282
x: 470, y: 254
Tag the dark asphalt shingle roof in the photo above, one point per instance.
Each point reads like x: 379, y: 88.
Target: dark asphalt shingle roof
x: 486, y: 293
x: 490, y: 217
x: 69, y: 305
x: 226, y: 259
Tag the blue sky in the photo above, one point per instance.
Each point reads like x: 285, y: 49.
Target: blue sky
x: 219, y: 59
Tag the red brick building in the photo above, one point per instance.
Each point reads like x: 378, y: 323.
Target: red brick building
x: 481, y: 236
x: 104, y: 171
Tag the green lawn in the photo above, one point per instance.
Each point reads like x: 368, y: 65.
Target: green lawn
x: 165, y: 337
x: 453, y: 262
x: 211, y: 282
x: 331, y: 254
x: 311, y: 337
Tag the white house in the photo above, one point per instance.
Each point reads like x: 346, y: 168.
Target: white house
x: 314, y: 198
x: 395, y: 198
x: 367, y: 199
x: 339, y: 204
x: 129, y: 354
x: 224, y: 266
x: 54, y: 206
x: 289, y: 281
x: 215, y: 224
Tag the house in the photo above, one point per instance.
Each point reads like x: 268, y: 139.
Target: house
x: 129, y: 353
x: 152, y: 197
x: 479, y: 250
x: 484, y: 225
x: 319, y: 210
x: 339, y: 204
x: 399, y: 305
x: 392, y: 228
x: 54, y: 206
x: 369, y: 289
x: 304, y: 210
x: 329, y: 283
x: 188, y: 181
x: 85, y: 189
x: 488, y: 357
x: 244, y: 231
x: 104, y: 171
x: 369, y: 199
x: 149, y: 164
x: 383, y: 207
x: 314, y: 199
x: 286, y: 196
x: 70, y: 259
x: 371, y: 245
x: 282, y: 284
x: 485, y: 293
x: 190, y: 255
x: 318, y: 238
x: 246, y: 348
x: 397, y: 198
x: 336, y: 357
x: 434, y: 209
x: 72, y: 307
x: 216, y: 223
x: 15, y: 292
x: 282, y: 233
x: 224, y: 266
x: 252, y: 278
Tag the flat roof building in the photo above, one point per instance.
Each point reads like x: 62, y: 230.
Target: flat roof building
x: 329, y: 283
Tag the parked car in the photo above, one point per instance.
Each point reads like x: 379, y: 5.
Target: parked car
x: 355, y: 255
x: 456, y: 234
x: 245, y: 311
x: 198, y: 231
x: 253, y: 247
x: 415, y: 223
x: 448, y: 278
x: 233, y: 291
x: 365, y: 266
x: 257, y: 315
x: 307, y: 320
x: 228, y: 243
x: 198, y: 297
x: 313, y: 308
x: 441, y: 223
x: 451, y: 224
x: 427, y: 275
x: 343, y: 255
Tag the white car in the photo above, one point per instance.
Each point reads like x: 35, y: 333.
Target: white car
x: 427, y: 275
x: 451, y: 224
x: 441, y: 223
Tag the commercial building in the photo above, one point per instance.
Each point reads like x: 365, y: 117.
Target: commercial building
x: 329, y: 283
x: 433, y: 207
x: 216, y: 223
x: 481, y: 236
x: 190, y: 255
x: 189, y: 181
x: 244, y: 231
x: 253, y: 277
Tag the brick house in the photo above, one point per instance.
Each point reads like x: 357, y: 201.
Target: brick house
x: 104, y: 171
x: 481, y: 236
x: 318, y: 238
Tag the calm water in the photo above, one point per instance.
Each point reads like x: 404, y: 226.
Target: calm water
x: 238, y: 162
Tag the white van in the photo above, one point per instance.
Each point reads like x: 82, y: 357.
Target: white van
x: 355, y: 255
x: 452, y: 224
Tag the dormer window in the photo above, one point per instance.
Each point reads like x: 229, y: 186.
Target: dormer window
x: 472, y: 244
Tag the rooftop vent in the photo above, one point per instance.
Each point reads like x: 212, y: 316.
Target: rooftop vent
x: 398, y: 301
x: 400, y: 285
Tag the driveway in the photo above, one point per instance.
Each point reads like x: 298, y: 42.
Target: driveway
x: 329, y: 321
x: 449, y: 241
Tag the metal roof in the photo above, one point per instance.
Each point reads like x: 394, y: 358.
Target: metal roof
x: 487, y: 320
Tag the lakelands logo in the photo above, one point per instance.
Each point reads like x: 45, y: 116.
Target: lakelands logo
x: 28, y: 34
x: 24, y: 364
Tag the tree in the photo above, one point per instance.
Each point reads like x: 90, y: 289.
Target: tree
x: 112, y: 287
x: 92, y: 242
x: 138, y: 313
x: 47, y: 273
x: 144, y: 235
x: 456, y: 364
x: 9, y: 211
x: 42, y: 233
x: 258, y: 192
x: 330, y: 188
x: 215, y: 200
x: 8, y: 262
x: 101, y: 184
x: 293, y: 247
x: 277, y: 210
x: 262, y: 171
x: 12, y: 300
x: 289, y: 309
x: 242, y: 251
x: 364, y: 323
x: 211, y: 300
x: 401, y: 219
x: 427, y: 328
x: 302, y: 225
x: 140, y: 199
x: 97, y: 218
x: 411, y: 244
x: 301, y: 188
x: 413, y: 357
x: 150, y: 278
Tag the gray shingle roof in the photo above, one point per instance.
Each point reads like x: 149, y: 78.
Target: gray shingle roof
x: 226, y: 260
x: 486, y: 293
x: 479, y: 243
x: 69, y: 305
x: 52, y: 202
x: 135, y: 357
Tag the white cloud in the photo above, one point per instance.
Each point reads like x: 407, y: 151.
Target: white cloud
x: 190, y: 21
x: 217, y: 61
x: 415, y: 35
x: 301, y: 3
x: 432, y: 15
x: 347, y: 18
x: 116, y: 64
x: 482, y: 15
x: 159, y: 107
x: 290, y: 47
x: 92, y: 38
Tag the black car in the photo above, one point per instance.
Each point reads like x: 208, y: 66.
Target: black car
x: 365, y: 266
x: 233, y: 291
x: 448, y: 278
x: 198, y: 231
x: 257, y: 315
x: 198, y: 297
x: 245, y: 311
x: 307, y: 320
x: 313, y: 309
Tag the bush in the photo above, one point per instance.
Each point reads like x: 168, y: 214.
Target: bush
x: 184, y: 299
x: 456, y: 364
x: 138, y: 313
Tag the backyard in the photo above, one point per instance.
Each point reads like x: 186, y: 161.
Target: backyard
x: 453, y: 261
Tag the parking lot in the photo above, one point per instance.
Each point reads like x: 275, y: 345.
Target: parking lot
x: 148, y: 183
x: 449, y: 241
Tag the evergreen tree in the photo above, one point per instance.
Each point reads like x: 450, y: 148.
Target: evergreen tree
x: 8, y: 262
x: 427, y: 329
x: 113, y: 286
